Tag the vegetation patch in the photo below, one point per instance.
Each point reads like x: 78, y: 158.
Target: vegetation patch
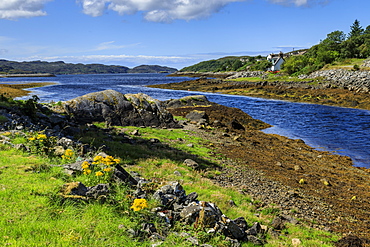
x: 119, y: 218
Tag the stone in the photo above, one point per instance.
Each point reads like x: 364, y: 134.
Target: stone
x: 190, y: 213
x: 191, y: 163
x: 65, y: 142
x: 197, y: 116
x: 233, y: 242
x: 296, y: 242
x: 135, y: 133
x: 149, y: 228
x: 193, y: 100
x: 193, y: 240
x: 177, y: 173
x: 59, y: 150
x: 120, y: 175
x: 157, y: 244
x: 297, y: 168
x: 235, y: 231
x: 254, y: 240
x: 22, y: 147
x: 278, y: 223
x: 74, y: 168
x: 74, y: 189
x: 231, y: 203
x: 242, y: 223
x: 254, y: 230
x: 97, y: 191
x: 192, y: 197
x: 236, y: 125
x: 115, y: 108
x: 169, y: 194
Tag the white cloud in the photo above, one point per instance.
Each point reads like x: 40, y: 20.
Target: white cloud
x: 14, y: 9
x: 157, y: 10
x: 111, y: 46
x: 299, y: 3
x: 170, y: 10
x: 153, y: 10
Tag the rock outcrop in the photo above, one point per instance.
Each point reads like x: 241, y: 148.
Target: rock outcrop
x: 115, y: 108
x: 358, y: 81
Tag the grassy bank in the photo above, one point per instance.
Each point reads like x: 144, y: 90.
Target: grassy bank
x: 34, y: 214
x: 15, y: 90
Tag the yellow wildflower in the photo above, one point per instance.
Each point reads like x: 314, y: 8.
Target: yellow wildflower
x: 109, y: 160
x: 98, y: 159
x: 108, y: 169
x: 85, y: 165
x: 32, y: 138
x: 41, y: 136
x: 139, y: 204
x: 69, y: 152
x: 117, y: 161
x: 99, y: 173
x: 87, y: 172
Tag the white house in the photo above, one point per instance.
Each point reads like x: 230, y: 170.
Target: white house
x: 277, y: 60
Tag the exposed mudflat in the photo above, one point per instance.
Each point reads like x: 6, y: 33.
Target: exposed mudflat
x: 320, y: 187
x: 296, y: 92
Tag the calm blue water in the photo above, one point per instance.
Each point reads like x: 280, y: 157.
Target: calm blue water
x: 341, y: 130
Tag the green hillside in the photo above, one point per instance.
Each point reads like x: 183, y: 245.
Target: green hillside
x: 230, y: 64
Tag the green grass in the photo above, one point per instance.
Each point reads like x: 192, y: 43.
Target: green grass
x: 32, y: 213
x: 271, y: 78
x: 248, y: 79
x: 345, y: 64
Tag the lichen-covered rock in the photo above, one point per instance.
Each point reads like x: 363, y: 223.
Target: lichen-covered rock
x: 115, y: 108
x: 98, y: 191
x: 76, y: 189
x: 197, y: 116
x: 194, y: 100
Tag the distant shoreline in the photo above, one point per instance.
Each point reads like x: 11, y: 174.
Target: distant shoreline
x: 28, y: 75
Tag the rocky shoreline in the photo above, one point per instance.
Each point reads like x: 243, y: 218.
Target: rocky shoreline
x: 323, y: 189
x: 317, y: 186
x: 340, y: 87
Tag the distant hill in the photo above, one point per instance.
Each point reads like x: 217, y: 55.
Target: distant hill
x: 152, y: 69
x: 230, y: 63
x: 62, y: 68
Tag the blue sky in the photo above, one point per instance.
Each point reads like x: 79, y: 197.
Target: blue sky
x: 174, y: 33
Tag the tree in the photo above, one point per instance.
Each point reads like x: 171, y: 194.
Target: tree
x: 237, y: 64
x: 261, y: 65
x: 356, y: 30
x: 336, y: 37
x: 367, y: 30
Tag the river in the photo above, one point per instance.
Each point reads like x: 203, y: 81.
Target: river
x: 343, y: 131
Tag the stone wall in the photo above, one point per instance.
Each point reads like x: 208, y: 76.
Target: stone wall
x: 366, y: 63
x: 358, y: 81
x: 243, y: 74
